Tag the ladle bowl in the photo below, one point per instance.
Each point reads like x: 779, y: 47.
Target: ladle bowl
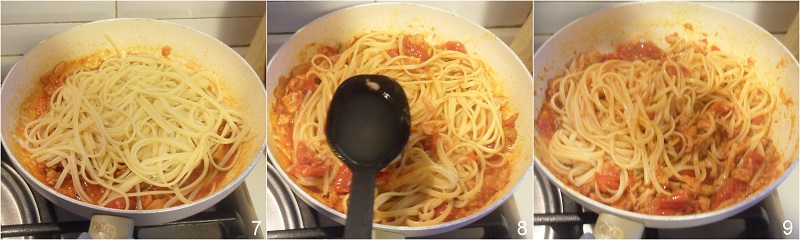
x: 368, y: 126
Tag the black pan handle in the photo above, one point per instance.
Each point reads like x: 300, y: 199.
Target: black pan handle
x: 42, y: 228
x: 309, y: 233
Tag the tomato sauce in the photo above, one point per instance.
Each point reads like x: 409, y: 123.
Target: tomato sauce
x: 633, y: 51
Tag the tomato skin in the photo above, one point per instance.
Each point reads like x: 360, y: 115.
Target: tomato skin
x: 343, y: 180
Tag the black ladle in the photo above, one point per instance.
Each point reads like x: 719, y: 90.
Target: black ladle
x: 368, y: 125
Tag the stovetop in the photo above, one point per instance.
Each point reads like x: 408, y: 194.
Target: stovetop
x: 557, y: 216
x: 27, y: 214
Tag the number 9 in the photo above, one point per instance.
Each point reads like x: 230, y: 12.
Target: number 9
x: 787, y: 227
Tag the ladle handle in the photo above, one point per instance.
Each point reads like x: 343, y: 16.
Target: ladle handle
x: 359, y: 209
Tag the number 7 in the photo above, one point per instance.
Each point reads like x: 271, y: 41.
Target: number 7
x: 258, y: 223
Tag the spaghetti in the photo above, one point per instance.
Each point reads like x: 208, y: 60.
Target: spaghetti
x: 676, y: 131
x: 462, y: 129
x: 134, y: 132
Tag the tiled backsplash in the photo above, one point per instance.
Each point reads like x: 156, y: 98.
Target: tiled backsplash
x: 25, y: 24
x: 501, y: 18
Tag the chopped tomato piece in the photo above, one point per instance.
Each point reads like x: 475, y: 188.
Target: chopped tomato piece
x: 415, y: 46
x: 308, y: 163
x: 305, y: 155
x: 728, y: 190
x: 343, y: 180
x: 608, y: 177
x: 455, y: 46
x: 307, y: 170
x: 674, y: 72
x: 670, y: 205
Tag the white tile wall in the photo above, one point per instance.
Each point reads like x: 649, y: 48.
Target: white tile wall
x: 44, y: 12
x: 288, y: 17
x: 189, y: 9
x: 25, y: 24
x: 501, y: 18
x: 549, y: 17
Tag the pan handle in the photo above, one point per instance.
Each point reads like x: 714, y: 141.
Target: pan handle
x: 609, y: 226
x: 108, y: 227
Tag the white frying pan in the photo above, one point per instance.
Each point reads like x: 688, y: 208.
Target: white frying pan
x: 343, y: 25
x: 610, y: 27
x: 187, y: 44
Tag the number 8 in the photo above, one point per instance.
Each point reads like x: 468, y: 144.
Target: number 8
x: 522, y: 228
